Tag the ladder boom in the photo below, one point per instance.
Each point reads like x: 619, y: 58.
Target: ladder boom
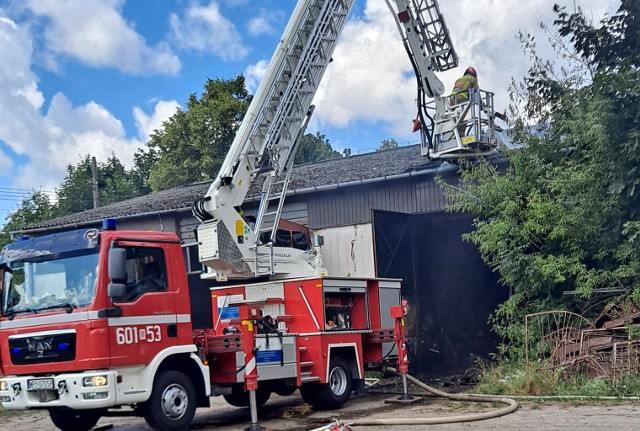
x: 266, y: 141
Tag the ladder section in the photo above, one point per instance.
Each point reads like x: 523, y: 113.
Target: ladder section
x: 281, y: 122
x: 435, y: 35
x: 308, y: 53
x: 274, y: 190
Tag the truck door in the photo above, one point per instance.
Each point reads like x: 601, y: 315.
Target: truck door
x: 148, y: 320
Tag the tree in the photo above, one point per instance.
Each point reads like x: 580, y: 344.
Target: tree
x: 387, y: 144
x: 75, y: 193
x: 194, y: 142
x: 315, y: 148
x: 115, y: 184
x: 32, y: 209
x: 565, y: 215
x: 144, y: 159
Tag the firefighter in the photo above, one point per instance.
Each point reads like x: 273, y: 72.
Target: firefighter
x: 464, y: 85
x: 463, y: 90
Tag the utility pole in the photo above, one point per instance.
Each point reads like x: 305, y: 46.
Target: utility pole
x: 94, y: 182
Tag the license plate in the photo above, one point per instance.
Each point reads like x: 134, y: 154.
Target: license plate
x: 39, y: 384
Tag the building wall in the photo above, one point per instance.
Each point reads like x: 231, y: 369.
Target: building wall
x: 348, y: 250
x: 353, y: 205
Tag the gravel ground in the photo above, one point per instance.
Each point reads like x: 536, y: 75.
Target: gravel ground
x: 290, y: 413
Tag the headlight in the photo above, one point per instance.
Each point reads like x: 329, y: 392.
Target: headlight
x: 94, y: 381
x: 3, y: 385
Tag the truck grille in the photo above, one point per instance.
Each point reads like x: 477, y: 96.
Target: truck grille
x: 43, y: 348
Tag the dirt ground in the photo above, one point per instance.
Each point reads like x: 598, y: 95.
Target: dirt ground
x: 291, y: 413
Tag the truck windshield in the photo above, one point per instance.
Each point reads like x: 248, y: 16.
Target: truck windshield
x: 48, y: 282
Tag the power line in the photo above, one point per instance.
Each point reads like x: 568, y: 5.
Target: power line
x: 19, y: 190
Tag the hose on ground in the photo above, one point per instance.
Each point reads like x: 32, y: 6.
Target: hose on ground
x: 512, y: 405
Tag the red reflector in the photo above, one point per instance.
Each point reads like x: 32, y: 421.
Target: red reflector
x: 404, y: 16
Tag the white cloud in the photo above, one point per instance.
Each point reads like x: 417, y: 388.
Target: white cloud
x: 147, y: 124
x: 20, y: 121
x: 95, y: 33
x: 487, y: 38
x: 368, y: 78
x: 253, y: 75
x: 61, y: 135
x: 235, y: 3
x: 203, y: 28
x: 6, y: 164
x: 371, y: 79
x: 263, y: 23
x: 69, y: 133
x: 89, y: 117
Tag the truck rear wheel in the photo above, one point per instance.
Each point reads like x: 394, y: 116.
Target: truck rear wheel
x: 240, y: 398
x: 75, y: 420
x: 172, y: 404
x: 335, y: 392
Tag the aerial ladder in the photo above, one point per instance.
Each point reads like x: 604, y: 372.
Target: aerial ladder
x: 448, y: 130
x: 231, y: 246
x: 265, y: 147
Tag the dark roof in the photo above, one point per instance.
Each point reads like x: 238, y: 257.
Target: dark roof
x: 329, y: 172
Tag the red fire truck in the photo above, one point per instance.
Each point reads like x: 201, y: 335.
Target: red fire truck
x: 94, y: 320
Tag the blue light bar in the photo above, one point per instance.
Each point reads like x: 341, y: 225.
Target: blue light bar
x: 109, y: 224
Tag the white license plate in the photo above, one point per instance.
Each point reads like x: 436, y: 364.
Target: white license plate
x: 39, y: 384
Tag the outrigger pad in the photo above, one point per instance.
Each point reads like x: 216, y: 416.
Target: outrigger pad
x: 412, y: 399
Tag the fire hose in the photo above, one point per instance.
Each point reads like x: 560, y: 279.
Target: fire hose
x: 511, y: 406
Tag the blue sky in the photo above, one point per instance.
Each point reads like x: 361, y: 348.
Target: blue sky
x: 98, y: 76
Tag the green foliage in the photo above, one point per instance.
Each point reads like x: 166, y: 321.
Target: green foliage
x: 509, y: 378
x: 387, y: 144
x: 143, y: 163
x: 514, y: 379
x: 315, y: 148
x: 194, y: 142
x: 565, y: 214
x: 32, y: 209
x: 115, y: 184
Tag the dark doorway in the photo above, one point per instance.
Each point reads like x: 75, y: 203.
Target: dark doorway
x: 450, y: 289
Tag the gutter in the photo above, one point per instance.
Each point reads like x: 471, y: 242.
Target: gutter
x: 442, y: 169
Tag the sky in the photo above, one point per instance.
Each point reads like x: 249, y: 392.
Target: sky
x: 97, y: 77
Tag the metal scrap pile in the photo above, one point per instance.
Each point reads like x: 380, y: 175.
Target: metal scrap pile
x: 570, y: 341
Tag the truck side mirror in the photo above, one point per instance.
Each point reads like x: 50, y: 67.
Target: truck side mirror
x: 116, y: 290
x: 117, y: 265
x: 117, y: 272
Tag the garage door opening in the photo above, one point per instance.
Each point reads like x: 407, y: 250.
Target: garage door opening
x: 451, y: 291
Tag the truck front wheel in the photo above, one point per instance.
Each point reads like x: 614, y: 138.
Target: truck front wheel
x: 172, y: 404
x: 74, y: 420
